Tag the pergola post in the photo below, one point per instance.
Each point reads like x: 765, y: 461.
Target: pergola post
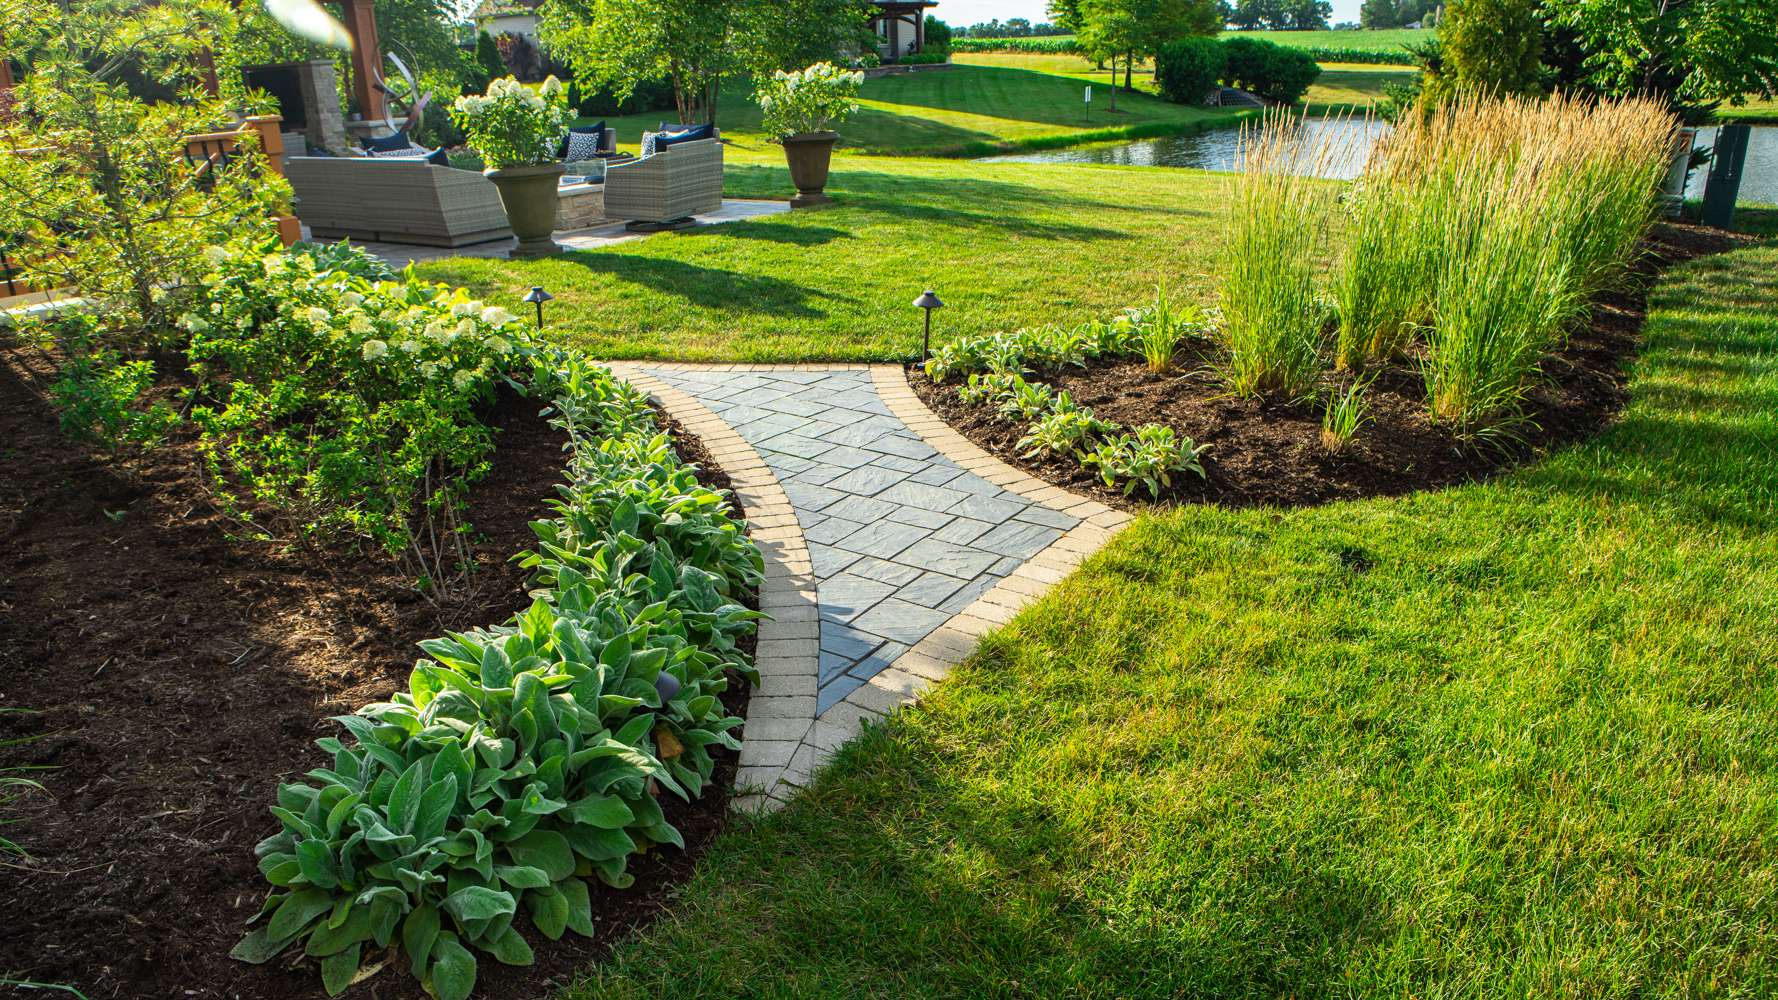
x: 367, y: 55
x: 919, y: 30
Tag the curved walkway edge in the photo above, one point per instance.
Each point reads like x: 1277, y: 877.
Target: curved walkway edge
x: 788, y: 735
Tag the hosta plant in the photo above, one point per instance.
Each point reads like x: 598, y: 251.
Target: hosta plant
x: 1148, y: 458
x: 1067, y: 429
x: 990, y: 388
x: 524, y: 758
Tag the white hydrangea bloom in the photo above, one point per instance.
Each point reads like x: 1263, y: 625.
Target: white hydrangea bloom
x: 496, y: 316
x: 360, y: 325
x: 374, y: 349
x: 318, y: 315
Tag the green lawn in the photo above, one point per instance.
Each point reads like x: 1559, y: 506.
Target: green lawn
x: 1004, y: 244
x: 967, y: 109
x: 1514, y: 739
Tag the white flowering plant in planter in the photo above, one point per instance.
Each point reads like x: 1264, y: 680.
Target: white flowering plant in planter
x: 818, y: 98
x: 513, y: 125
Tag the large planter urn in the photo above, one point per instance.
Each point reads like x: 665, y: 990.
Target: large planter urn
x: 809, y: 155
x: 529, y: 196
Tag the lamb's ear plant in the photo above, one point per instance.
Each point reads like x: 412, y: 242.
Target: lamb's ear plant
x: 1067, y: 429
x: 1147, y: 458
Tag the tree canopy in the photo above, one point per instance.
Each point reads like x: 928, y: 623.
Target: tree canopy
x: 1694, y: 53
x: 695, y: 43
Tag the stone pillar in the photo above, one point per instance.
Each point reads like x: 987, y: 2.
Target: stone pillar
x: 321, y: 104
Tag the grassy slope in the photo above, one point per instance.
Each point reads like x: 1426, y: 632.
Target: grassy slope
x: 1340, y: 84
x: 964, y: 110
x: 1005, y: 245
x: 1515, y: 739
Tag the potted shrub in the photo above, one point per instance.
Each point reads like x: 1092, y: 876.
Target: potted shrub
x: 515, y: 129
x: 801, y: 109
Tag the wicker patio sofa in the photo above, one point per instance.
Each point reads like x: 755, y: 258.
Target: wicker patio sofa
x: 395, y: 201
x: 678, y: 182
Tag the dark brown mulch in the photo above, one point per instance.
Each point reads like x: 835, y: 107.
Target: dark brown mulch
x: 1262, y: 454
x: 177, y: 676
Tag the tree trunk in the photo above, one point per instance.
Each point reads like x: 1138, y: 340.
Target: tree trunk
x: 1114, y: 83
x: 1129, y: 67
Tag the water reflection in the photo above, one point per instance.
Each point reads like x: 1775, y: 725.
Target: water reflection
x: 1352, y: 139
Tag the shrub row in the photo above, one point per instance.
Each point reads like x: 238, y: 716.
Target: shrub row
x: 1053, y: 45
x: 526, y: 757
x: 994, y: 369
x: 1189, y: 68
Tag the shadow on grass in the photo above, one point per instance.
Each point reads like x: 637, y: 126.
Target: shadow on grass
x: 771, y: 232
x: 706, y: 287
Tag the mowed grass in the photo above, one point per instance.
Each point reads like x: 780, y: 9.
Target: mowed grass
x: 1515, y: 739
x: 1004, y: 244
x: 965, y: 109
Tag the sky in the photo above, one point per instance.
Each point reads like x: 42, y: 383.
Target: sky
x: 974, y: 11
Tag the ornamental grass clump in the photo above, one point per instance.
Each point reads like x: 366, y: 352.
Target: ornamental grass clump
x: 1276, y: 226
x: 1525, y: 208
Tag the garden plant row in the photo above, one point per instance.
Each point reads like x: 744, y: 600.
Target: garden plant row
x: 525, y: 757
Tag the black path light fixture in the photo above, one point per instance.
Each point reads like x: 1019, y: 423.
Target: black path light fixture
x: 537, y: 296
x: 928, y: 301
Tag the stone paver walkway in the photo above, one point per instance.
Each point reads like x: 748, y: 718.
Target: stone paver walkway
x: 892, y: 544
x: 900, y: 537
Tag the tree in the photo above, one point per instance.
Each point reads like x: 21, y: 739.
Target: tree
x: 695, y: 43
x: 1493, y: 46
x: 420, y: 31
x: 94, y: 181
x: 1695, y: 54
x: 1307, y: 15
x: 489, y: 66
x: 1375, y: 14
x: 1138, y: 28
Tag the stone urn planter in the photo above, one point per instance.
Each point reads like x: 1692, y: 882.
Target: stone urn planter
x: 809, y: 155
x: 529, y: 196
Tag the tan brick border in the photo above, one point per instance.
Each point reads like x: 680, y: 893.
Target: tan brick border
x: 784, y: 742
x: 930, y: 660
x: 781, y: 713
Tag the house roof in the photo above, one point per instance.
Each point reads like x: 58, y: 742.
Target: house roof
x: 498, y: 8
x: 903, y: 4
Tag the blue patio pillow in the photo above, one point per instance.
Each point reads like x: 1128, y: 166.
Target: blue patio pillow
x: 387, y: 143
x: 438, y: 158
x: 689, y: 133
x: 597, y: 131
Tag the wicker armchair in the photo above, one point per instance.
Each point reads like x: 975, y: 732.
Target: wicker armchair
x: 676, y: 183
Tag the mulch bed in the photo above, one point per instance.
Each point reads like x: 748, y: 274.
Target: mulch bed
x: 176, y: 676
x: 1270, y: 455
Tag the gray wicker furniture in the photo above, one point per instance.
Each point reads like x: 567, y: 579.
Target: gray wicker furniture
x: 395, y: 201
x: 674, y: 184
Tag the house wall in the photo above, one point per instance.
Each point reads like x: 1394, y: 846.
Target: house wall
x: 510, y: 24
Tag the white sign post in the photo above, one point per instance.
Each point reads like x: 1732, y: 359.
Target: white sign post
x: 1089, y: 100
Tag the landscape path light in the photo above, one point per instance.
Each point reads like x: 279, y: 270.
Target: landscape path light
x: 928, y: 301
x: 538, y: 297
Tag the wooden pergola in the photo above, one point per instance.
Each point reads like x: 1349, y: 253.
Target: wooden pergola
x: 894, y: 13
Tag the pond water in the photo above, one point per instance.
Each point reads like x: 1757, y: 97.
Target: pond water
x: 1218, y: 150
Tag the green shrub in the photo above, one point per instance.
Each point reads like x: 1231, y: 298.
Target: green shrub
x: 1024, y: 401
x: 1277, y: 73
x: 1188, y: 69
x: 336, y: 407
x: 525, y: 758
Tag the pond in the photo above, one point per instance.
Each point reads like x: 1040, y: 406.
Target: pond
x: 1218, y: 150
